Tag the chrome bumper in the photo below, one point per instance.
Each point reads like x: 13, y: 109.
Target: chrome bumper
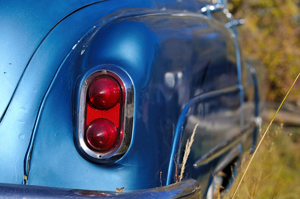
x: 185, y: 189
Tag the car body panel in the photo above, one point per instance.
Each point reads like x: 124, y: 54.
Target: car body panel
x: 20, y: 116
x: 186, y: 70
x: 24, y: 26
x: 213, y: 117
x: 144, y: 48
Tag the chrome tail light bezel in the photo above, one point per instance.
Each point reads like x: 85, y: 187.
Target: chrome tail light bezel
x: 127, y: 115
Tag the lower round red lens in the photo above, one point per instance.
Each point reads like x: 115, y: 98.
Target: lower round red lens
x: 101, y: 135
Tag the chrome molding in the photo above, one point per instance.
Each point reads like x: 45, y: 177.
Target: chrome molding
x: 127, y: 114
x: 235, y: 22
x: 212, y: 8
x: 185, y: 189
x: 182, y: 118
x: 233, y: 154
x: 226, y: 144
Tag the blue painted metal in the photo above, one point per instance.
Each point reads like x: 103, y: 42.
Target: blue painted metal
x: 201, y: 120
x: 21, y: 115
x: 22, y: 31
x: 174, y: 57
x: 25, y: 26
x: 239, y: 118
x: 151, y: 44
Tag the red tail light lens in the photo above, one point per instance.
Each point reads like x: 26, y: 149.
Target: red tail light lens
x: 101, y: 135
x: 104, y: 92
x: 105, y: 114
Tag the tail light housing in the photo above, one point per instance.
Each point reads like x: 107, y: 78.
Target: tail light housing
x: 105, y: 114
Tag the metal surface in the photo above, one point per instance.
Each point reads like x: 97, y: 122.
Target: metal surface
x: 235, y: 22
x: 217, y: 135
x: 235, y: 153
x: 226, y: 144
x: 15, y: 37
x: 185, y: 189
x: 23, y: 33
x: 165, y: 78
x: 126, y: 118
x: 185, y: 66
x: 212, y: 8
x: 52, y: 67
x: 32, y: 32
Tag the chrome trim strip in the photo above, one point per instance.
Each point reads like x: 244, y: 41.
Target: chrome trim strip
x: 182, y: 118
x: 234, y: 153
x: 127, y: 114
x: 226, y: 144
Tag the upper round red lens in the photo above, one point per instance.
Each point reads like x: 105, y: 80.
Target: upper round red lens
x: 104, y: 92
x: 101, y: 135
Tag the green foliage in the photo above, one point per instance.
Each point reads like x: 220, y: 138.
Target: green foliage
x: 272, y: 35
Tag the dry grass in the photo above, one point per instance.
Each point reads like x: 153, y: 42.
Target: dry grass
x: 277, y: 166
x: 275, y: 171
x: 187, y: 151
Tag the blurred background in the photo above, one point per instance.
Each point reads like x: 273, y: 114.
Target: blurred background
x: 272, y: 36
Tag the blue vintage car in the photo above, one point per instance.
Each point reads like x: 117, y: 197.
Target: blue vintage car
x: 126, y: 99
